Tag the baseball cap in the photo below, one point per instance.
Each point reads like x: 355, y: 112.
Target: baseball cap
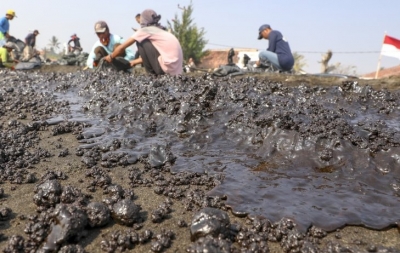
x: 100, y: 27
x: 36, y: 31
x: 9, y: 45
x: 262, y: 28
x: 11, y: 13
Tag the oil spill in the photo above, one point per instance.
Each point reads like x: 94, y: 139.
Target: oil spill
x: 334, y: 143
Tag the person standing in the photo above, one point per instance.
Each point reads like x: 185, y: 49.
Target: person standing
x: 76, y: 48
x: 160, y: 51
x: 30, y: 39
x: 5, y: 26
x: 29, y: 50
x: 106, y: 44
x: 278, y: 52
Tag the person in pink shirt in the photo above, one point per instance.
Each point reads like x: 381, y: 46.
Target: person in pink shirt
x: 160, y: 51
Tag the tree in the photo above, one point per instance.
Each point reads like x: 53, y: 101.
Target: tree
x: 54, y: 44
x: 189, y: 35
x: 325, y: 60
x: 338, y: 68
x: 299, y: 62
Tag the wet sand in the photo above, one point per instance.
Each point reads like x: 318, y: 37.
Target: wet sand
x: 19, y: 197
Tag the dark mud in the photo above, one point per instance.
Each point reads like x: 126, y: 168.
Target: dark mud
x: 297, y: 160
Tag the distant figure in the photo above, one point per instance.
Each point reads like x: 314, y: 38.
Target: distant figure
x: 29, y: 50
x: 76, y: 47
x: 137, y: 18
x: 160, y: 51
x: 106, y: 45
x: 5, y: 26
x: 231, y: 53
x: 278, y: 52
x: 30, y: 39
x: 190, y: 65
x: 246, y: 59
x: 5, y: 59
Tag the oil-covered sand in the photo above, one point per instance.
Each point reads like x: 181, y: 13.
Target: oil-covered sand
x: 90, y: 168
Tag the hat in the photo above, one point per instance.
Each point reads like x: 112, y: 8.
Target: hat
x: 11, y: 13
x: 262, y: 28
x: 36, y: 31
x: 100, y: 27
x: 149, y: 17
x: 9, y: 45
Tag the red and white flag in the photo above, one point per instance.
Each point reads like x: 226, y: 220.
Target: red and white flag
x: 391, y: 47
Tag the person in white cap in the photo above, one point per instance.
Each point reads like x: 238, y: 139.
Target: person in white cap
x: 5, y: 59
x: 5, y: 26
x: 160, y: 51
x: 106, y: 45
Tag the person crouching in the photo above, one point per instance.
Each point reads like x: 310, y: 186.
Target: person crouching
x: 106, y: 45
x: 160, y: 51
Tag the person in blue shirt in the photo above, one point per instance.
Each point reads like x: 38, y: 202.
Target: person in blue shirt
x: 5, y: 26
x: 278, y: 52
x: 105, y: 45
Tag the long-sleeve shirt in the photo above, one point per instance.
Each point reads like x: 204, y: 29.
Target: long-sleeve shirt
x: 114, y: 39
x: 4, y: 25
x: 279, y: 45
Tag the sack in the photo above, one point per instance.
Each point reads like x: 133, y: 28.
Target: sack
x: 33, y: 63
x: 27, y: 54
x: 226, y: 70
x: 118, y: 63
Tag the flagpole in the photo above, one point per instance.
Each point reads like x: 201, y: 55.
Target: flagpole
x: 380, y: 57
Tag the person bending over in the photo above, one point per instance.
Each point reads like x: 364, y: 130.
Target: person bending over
x: 160, y: 51
x: 5, y: 26
x: 106, y: 45
x: 278, y: 52
x: 76, y: 47
x: 5, y: 59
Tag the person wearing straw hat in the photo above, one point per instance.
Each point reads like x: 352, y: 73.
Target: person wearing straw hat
x: 5, y: 59
x: 5, y: 26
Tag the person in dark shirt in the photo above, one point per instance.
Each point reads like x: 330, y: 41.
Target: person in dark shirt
x: 278, y: 52
x: 30, y: 39
x: 76, y: 48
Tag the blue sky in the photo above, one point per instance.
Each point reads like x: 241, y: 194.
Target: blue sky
x: 350, y: 28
